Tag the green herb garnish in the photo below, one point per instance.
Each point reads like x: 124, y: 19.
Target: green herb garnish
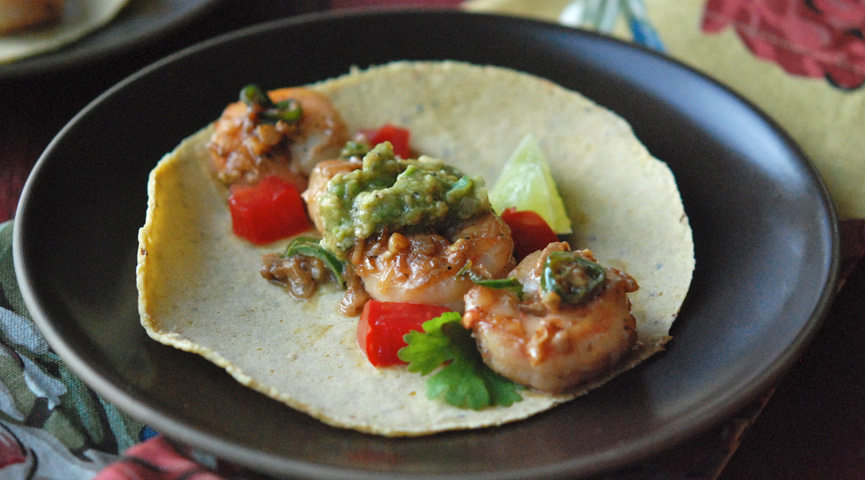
x: 572, y: 277
x: 353, y: 149
x: 311, y: 247
x: 511, y: 284
x: 288, y: 111
x: 464, y: 380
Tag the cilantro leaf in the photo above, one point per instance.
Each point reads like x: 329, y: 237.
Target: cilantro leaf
x: 427, y: 351
x: 464, y: 380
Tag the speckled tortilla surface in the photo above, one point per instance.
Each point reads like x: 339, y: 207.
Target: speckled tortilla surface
x: 200, y: 290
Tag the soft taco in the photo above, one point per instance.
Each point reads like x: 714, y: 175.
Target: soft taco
x: 200, y: 289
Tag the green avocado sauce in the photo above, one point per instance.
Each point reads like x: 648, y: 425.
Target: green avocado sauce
x: 397, y: 195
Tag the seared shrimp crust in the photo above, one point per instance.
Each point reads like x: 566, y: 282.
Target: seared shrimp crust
x: 244, y: 148
x: 422, y: 267
x: 545, y: 343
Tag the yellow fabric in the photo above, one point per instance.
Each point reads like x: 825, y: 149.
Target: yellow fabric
x: 826, y: 121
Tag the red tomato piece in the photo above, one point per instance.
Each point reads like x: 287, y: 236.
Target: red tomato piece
x: 529, y: 231
x: 397, y: 136
x: 267, y: 211
x: 383, y: 325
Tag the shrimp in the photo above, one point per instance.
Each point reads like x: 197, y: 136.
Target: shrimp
x: 318, y: 178
x: 244, y: 148
x: 419, y: 266
x: 544, y: 342
x: 422, y: 267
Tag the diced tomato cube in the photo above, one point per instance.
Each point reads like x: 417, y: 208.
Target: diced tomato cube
x: 397, y: 136
x: 267, y: 211
x: 529, y: 231
x: 383, y: 325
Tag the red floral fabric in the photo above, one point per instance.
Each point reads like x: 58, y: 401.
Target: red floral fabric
x: 156, y: 459
x: 813, y: 38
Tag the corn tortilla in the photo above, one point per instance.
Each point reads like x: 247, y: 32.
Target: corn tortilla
x: 200, y: 290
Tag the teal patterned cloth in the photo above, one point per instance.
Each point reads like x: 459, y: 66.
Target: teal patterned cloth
x: 602, y: 15
x: 52, y: 426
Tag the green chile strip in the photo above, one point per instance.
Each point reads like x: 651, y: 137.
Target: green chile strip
x: 511, y: 283
x: 572, y: 277
x: 253, y: 95
x: 288, y: 111
x: 311, y: 247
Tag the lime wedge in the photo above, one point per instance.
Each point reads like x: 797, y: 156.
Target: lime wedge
x: 526, y: 183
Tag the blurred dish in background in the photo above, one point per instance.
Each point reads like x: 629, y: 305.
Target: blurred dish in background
x: 21, y: 15
x: 133, y: 24
x: 30, y: 28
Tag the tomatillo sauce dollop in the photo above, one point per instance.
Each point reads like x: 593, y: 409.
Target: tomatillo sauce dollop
x: 396, y: 194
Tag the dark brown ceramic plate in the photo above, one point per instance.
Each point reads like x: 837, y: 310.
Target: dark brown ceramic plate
x: 765, y: 235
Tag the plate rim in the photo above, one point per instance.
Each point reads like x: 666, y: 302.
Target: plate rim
x: 187, y: 433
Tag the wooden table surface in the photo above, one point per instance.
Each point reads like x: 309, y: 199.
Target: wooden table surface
x: 814, y: 424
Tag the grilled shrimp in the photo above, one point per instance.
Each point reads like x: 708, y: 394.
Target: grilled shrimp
x: 245, y: 147
x: 422, y: 267
x: 543, y: 341
x: 318, y: 178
